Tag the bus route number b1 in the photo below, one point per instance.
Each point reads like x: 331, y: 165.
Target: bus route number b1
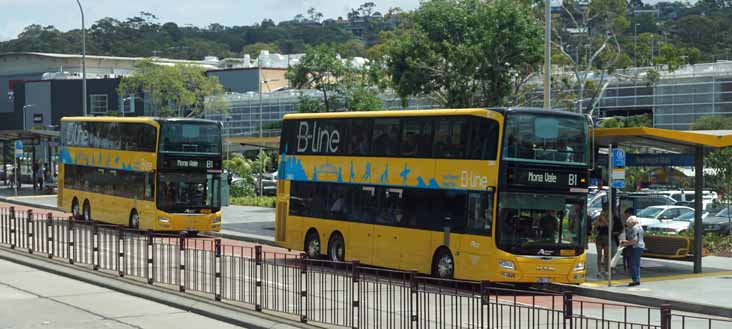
x: 572, y: 179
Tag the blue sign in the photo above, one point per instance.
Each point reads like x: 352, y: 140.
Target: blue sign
x: 618, y: 184
x: 18, y: 149
x: 652, y: 160
x: 660, y: 160
x: 618, y: 158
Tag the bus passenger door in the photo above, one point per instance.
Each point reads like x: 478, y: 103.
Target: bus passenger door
x: 387, y: 244
x: 360, y: 243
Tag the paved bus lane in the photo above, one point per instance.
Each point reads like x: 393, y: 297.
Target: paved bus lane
x: 331, y: 288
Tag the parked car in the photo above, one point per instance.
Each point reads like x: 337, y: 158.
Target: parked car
x: 675, y: 225
x: 719, y: 223
x: 636, y: 201
x: 640, y: 201
x: 655, y: 214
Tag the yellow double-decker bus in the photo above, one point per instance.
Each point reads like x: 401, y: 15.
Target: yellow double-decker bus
x: 471, y: 194
x: 144, y: 173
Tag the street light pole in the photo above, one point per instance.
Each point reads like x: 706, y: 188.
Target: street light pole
x: 83, y: 59
x: 259, y: 86
x: 547, y: 54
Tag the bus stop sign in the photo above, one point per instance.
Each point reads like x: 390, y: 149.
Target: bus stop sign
x: 18, y: 149
x: 618, y: 158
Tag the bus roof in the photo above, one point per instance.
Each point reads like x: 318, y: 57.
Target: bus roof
x: 397, y: 113
x: 135, y: 119
x: 430, y: 112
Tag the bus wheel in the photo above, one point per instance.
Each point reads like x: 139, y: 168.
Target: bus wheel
x: 443, y: 266
x: 312, y: 244
x: 75, y: 211
x: 337, y: 248
x: 87, y: 211
x: 134, y: 220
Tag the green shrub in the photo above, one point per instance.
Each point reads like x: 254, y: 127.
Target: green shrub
x: 264, y: 201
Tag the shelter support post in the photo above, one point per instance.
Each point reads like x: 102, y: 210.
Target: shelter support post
x: 698, y: 225
x: 5, y: 163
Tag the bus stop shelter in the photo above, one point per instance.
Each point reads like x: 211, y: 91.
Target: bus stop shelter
x: 38, y: 146
x: 692, y: 143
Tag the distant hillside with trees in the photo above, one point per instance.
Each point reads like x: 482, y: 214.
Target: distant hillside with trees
x: 145, y: 36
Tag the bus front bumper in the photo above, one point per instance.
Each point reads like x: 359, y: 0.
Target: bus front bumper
x: 187, y: 222
x: 522, y: 269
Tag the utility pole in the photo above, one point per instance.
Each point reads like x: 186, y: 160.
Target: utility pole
x: 83, y: 59
x: 548, y: 55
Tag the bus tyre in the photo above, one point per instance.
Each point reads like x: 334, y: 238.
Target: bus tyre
x: 312, y: 244
x: 443, y: 266
x: 75, y: 211
x: 134, y: 220
x: 337, y: 248
x: 87, y: 211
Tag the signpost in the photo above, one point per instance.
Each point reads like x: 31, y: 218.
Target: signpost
x: 16, y: 169
x: 616, y: 173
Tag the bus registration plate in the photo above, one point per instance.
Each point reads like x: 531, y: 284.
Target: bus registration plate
x: 543, y: 280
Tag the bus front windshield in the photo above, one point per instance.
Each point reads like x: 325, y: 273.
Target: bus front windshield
x: 187, y: 192
x: 542, y: 138
x: 529, y: 223
x: 190, y: 137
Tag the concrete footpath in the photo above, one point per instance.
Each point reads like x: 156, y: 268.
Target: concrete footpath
x: 37, y: 293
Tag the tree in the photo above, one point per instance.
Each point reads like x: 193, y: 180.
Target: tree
x: 180, y: 90
x: 721, y: 178
x: 712, y: 122
x: 464, y: 53
x: 320, y: 68
x: 314, y: 15
x: 256, y: 48
x: 634, y: 121
x: 344, y: 84
x: 586, y: 35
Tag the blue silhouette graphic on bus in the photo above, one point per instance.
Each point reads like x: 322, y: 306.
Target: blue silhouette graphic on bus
x: 384, y: 179
x: 367, y: 172
x: 405, y: 173
x: 352, y: 175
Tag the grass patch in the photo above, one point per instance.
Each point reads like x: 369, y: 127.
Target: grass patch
x: 263, y: 201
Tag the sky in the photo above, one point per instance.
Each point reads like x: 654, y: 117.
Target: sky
x: 64, y: 14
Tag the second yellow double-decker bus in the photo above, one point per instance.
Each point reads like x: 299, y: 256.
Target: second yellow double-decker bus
x: 145, y: 173
x: 472, y: 194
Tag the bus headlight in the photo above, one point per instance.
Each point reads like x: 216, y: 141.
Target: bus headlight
x: 217, y: 220
x: 507, y: 264
x: 163, y: 220
x: 579, y: 267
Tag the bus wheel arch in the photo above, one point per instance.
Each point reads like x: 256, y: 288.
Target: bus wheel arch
x: 443, y: 264
x: 337, y: 247
x: 312, y: 243
x: 75, y: 209
x: 134, y: 219
x: 86, y: 211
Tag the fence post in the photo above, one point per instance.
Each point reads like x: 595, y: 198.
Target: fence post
x: 356, y: 291
x: 13, y: 227
x: 665, y: 316
x: 258, y: 278
x: 218, y: 285
x: 181, y: 262
x: 121, y: 247
x: 95, y: 246
x: 71, y: 239
x: 413, y: 300
x: 568, y: 309
x: 49, y: 232
x: 149, y: 264
x: 29, y: 231
x: 485, y: 301
x: 303, y: 288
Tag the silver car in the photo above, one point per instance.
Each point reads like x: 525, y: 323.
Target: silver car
x: 656, y: 214
x: 675, y: 225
